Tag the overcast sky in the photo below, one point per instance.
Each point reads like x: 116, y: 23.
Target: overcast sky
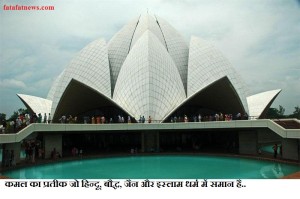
x: 260, y: 38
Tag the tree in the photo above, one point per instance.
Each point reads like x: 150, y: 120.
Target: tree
x: 296, y: 113
x: 274, y: 113
x: 2, y: 116
x: 281, y: 111
x: 15, y: 115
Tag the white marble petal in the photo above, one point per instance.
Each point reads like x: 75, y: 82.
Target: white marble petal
x: 36, y: 104
x: 259, y: 102
x: 90, y: 67
x: 149, y: 83
x: 206, y: 65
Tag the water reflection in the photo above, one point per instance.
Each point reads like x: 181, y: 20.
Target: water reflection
x: 274, y: 170
x: 159, y: 167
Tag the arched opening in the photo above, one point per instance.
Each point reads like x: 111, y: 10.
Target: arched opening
x: 218, y: 97
x: 84, y: 103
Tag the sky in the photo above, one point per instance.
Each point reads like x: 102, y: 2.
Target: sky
x: 261, y: 38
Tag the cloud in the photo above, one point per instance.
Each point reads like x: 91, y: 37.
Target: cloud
x: 12, y: 83
x: 259, y: 39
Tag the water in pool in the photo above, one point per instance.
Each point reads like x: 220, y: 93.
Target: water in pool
x: 157, y: 167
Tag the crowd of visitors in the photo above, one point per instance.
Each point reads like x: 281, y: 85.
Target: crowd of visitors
x: 209, y: 118
x: 33, y: 150
x: 173, y: 119
x: 64, y: 119
x: 103, y: 120
x: 55, y: 154
x: 75, y: 152
x: 24, y: 120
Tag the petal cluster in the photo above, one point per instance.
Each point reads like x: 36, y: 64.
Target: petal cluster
x: 148, y: 69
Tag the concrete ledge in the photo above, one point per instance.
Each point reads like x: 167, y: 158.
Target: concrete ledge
x: 293, y: 133
x: 259, y: 123
x: 243, y: 124
x: 250, y: 124
x: 7, y: 138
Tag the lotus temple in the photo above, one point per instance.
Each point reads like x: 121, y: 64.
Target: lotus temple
x: 148, y: 89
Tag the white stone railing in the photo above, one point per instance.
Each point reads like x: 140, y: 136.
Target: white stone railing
x: 240, y: 124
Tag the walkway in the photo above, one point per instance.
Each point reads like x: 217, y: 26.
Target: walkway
x: 131, y: 127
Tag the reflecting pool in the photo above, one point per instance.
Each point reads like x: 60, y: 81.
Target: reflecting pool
x: 158, y: 167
